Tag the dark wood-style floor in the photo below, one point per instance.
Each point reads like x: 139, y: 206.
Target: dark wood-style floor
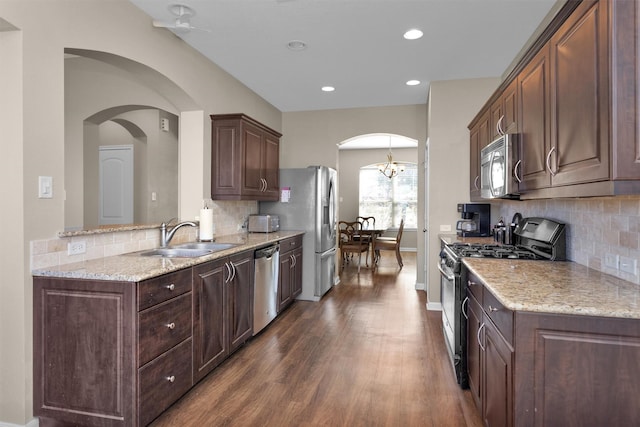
x: 367, y: 354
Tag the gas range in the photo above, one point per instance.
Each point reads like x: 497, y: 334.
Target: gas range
x: 535, y: 239
x: 478, y: 250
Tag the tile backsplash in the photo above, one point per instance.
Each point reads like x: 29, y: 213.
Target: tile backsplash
x: 228, y: 216
x: 595, y: 227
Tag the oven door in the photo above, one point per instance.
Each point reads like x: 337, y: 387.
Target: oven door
x: 448, y: 298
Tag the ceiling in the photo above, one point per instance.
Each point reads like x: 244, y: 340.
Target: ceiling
x: 356, y: 46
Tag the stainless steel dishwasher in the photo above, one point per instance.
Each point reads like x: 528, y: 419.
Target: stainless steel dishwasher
x: 265, y: 294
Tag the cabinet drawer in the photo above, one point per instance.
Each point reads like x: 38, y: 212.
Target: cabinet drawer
x: 501, y: 316
x: 474, y: 286
x: 164, y: 381
x: 159, y: 289
x: 290, y: 244
x: 163, y: 326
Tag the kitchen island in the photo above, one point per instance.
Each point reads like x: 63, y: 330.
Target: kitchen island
x: 552, y: 343
x: 117, y: 340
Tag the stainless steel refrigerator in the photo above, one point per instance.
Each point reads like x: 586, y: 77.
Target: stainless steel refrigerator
x: 308, y: 202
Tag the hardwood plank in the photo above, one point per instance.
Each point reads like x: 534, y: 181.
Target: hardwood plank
x: 368, y: 354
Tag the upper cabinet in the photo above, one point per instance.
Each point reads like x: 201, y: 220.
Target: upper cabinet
x: 244, y: 158
x: 573, y: 101
x: 480, y: 138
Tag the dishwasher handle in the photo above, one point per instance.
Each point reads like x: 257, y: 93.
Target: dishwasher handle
x: 267, y: 252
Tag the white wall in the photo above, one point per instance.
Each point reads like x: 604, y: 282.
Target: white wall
x: 452, y: 106
x: 33, y: 133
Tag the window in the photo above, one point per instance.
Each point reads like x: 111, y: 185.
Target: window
x: 390, y: 200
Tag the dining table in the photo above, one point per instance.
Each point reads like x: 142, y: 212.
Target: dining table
x: 372, y: 233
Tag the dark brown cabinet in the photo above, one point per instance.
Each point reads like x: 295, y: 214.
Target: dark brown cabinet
x: 576, y: 370
x: 538, y: 369
x: 110, y: 353
x: 244, y: 159
x: 479, y: 138
x: 504, y: 112
x: 223, y: 310
x: 575, y: 104
x: 489, y: 356
x: 535, y: 128
x: 580, y: 97
x: 290, y: 281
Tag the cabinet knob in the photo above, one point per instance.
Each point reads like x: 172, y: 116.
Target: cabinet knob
x: 171, y: 379
x: 171, y: 325
x: 492, y: 308
x: 170, y: 287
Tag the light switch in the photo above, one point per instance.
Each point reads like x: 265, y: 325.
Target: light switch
x: 45, y: 187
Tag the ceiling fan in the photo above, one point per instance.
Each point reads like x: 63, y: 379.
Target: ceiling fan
x: 182, y: 23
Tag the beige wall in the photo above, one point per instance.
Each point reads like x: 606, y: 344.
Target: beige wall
x: 312, y: 138
x: 452, y: 106
x: 33, y: 134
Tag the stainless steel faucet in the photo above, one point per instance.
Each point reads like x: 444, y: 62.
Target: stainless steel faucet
x: 167, y: 234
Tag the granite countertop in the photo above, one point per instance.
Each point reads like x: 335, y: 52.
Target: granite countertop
x: 454, y: 238
x: 132, y: 267
x: 562, y: 287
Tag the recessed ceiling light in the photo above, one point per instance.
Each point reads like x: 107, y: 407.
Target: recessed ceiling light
x: 413, y: 34
x: 328, y: 88
x: 297, y: 45
x: 413, y: 82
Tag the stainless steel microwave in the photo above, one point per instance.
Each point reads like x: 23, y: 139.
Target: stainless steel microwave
x: 500, y: 167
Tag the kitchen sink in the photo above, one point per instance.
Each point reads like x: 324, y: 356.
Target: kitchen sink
x: 177, y: 252
x: 210, y: 246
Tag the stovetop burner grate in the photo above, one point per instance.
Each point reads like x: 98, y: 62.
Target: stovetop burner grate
x: 462, y: 250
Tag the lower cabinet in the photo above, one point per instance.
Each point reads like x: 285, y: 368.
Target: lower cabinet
x: 117, y: 354
x: 290, y: 281
x: 537, y: 369
x: 109, y: 353
x: 489, y: 365
x: 223, y: 310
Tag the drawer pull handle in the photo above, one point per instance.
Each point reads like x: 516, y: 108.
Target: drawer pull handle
x: 170, y: 287
x: 171, y: 379
x: 171, y: 325
x: 492, y: 308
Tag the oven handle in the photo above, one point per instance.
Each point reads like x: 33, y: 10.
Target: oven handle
x: 450, y: 278
x: 465, y: 304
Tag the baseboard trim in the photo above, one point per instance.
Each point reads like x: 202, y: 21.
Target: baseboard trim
x: 33, y: 423
x: 434, y: 306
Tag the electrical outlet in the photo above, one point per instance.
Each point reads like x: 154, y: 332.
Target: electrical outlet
x: 611, y: 261
x: 446, y: 227
x: 628, y: 265
x: 76, y: 248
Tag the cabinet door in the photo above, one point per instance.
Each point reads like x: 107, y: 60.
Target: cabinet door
x: 580, y: 85
x: 253, y: 154
x: 497, y: 118
x: 226, y: 159
x: 271, y: 167
x: 284, y: 283
x: 241, y: 300
x: 296, y: 279
x: 510, y: 108
x: 534, y: 122
x: 84, y: 351
x: 210, y: 317
x: 479, y: 138
x: 474, y: 313
x: 497, y: 381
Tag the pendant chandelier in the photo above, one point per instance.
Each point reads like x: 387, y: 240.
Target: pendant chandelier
x: 390, y: 168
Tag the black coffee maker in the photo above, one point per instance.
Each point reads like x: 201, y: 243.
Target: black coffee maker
x: 476, y: 220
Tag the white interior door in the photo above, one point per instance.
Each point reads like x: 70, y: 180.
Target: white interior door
x: 116, y: 184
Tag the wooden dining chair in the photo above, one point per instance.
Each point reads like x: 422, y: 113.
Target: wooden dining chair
x: 348, y: 246
x: 368, y: 222
x: 388, y: 244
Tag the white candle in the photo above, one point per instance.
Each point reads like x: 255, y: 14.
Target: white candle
x: 206, y: 224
